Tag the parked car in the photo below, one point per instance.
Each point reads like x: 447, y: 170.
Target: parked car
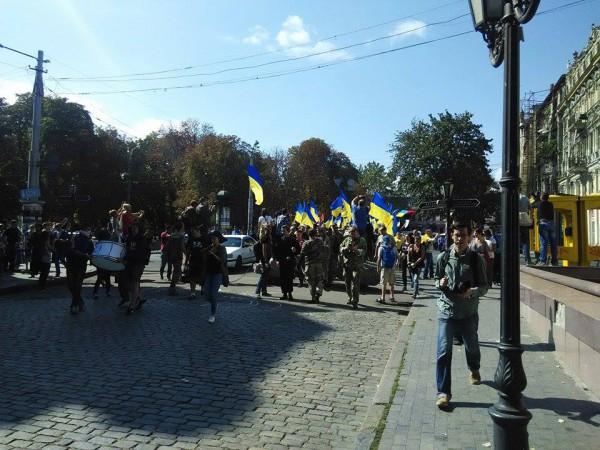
x: 240, y: 250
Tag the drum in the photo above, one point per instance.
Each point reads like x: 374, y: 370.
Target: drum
x: 108, y: 255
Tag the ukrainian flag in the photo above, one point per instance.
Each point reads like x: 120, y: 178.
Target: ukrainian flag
x: 256, y: 184
x: 336, y: 207
x: 314, y: 213
x: 346, y: 208
x: 306, y: 219
x: 380, y: 211
x: 299, y: 212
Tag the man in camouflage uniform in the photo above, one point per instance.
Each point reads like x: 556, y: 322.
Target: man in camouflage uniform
x: 354, y: 250
x: 332, y: 268
x: 313, y: 251
x: 325, y: 256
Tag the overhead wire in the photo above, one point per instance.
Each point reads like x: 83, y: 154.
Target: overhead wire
x: 285, y: 60
x: 270, y: 52
x: 279, y: 74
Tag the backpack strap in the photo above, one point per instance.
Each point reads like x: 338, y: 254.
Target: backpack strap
x: 475, y: 267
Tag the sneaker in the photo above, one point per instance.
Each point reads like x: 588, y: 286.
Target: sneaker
x: 290, y: 297
x: 258, y: 296
x: 442, y: 401
x: 211, y: 319
x: 283, y: 297
x: 355, y: 305
x: 475, y: 377
x: 162, y: 277
x: 192, y: 295
x: 266, y: 294
x: 349, y: 302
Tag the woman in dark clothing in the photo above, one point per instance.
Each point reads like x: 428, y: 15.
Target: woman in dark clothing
x: 286, y: 251
x: 216, y: 272
x: 416, y: 261
x: 136, y: 258
x: 195, y: 255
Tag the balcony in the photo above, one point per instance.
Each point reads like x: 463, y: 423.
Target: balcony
x: 578, y: 164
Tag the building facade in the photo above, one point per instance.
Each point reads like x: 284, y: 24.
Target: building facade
x: 560, y: 136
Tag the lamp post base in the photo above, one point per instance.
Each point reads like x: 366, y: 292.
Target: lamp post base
x: 509, y: 414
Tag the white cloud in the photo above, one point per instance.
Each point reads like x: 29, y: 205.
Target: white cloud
x: 293, y: 33
x: 320, y: 47
x: 10, y: 88
x: 258, y: 35
x: 409, y: 28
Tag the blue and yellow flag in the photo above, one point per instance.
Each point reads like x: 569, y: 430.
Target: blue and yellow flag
x: 256, y: 184
x: 337, y: 206
x: 306, y: 217
x: 346, y: 208
x: 381, y: 211
x: 299, y: 213
x: 314, y: 212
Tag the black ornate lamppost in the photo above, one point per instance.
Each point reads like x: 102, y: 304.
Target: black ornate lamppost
x: 447, y: 190
x: 500, y: 23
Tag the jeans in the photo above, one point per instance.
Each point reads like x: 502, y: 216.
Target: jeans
x: 428, y: 265
x: 261, y: 287
x: 352, y: 283
x: 548, y: 237
x: 414, y: 279
x: 163, y: 263
x: 212, y: 283
x: 447, y: 329
x: 57, y: 259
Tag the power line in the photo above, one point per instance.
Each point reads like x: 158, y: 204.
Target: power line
x: 278, y: 74
x: 279, y: 61
x: 256, y: 55
x: 100, y: 109
x: 564, y: 6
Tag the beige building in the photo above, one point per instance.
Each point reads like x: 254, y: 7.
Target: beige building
x: 560, y: 136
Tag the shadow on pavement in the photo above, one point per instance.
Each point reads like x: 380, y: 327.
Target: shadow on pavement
x: 583, y: 410
x: 164, y: 369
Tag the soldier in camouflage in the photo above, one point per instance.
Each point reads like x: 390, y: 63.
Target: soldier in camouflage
x: 354, y: 250
x: 313, y: 251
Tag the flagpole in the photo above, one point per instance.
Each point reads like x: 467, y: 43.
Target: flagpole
x: 250, y: 207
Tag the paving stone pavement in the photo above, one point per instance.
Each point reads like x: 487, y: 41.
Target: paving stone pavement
x: 565, y: 415
x: 267, y: 374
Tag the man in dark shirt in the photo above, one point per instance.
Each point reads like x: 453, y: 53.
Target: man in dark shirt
x: 547, y: 231
x: 13, y: 237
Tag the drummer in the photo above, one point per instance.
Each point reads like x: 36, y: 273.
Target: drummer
x: 77, y: 255
x: 102, y: 275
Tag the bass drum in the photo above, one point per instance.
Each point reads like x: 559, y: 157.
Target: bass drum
x: 109, y: 255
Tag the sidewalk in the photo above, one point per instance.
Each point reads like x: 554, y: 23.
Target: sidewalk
x: 18, y: 281
x: 564, y: 414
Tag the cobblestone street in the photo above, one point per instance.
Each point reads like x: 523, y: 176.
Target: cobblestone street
x: 267, y: 374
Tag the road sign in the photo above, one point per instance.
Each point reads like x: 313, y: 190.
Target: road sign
x: 465, y: 203
x: 455, y: 203
x: 30, y: 193
x: 434, y: 204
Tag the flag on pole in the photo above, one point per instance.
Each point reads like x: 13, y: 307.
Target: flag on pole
x: 299, y: 212
x: 346, y: 208
x: 381, y: 211
x: 256, y: 184
x: 313, y: 211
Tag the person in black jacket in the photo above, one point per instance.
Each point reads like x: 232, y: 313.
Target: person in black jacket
x: 76, y: 254
x: 286, y: 251
x: 136, y: 257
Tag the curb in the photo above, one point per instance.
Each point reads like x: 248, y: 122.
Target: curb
x: 385, y: 388
x: 26, y: 285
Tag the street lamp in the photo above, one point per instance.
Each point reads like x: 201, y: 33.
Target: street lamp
x: 447, y: 190
x: 500, y: 23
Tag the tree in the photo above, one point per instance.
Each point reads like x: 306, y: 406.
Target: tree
x: 373, y: 177
x: 445, y: 147
x: 311, y: 170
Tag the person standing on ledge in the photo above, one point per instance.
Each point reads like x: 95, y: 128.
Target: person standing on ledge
x: 547, y: 231
x: 460, y: 275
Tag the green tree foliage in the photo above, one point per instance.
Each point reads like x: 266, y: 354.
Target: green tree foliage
x: 311, y: 170
x: 445, y: 147
x: 373, y: 177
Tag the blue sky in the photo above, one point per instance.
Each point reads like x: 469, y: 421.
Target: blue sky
x: 356, y: 106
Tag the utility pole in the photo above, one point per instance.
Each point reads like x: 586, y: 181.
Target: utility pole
x: 31, y: 197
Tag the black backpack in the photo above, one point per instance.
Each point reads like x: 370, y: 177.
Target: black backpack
x: 473, y: 263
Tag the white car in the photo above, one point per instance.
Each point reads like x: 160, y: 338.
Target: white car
x: 240, y: 249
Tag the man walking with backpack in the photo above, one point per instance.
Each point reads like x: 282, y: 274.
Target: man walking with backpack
x: 387, y: 260
x: 460, y: 276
